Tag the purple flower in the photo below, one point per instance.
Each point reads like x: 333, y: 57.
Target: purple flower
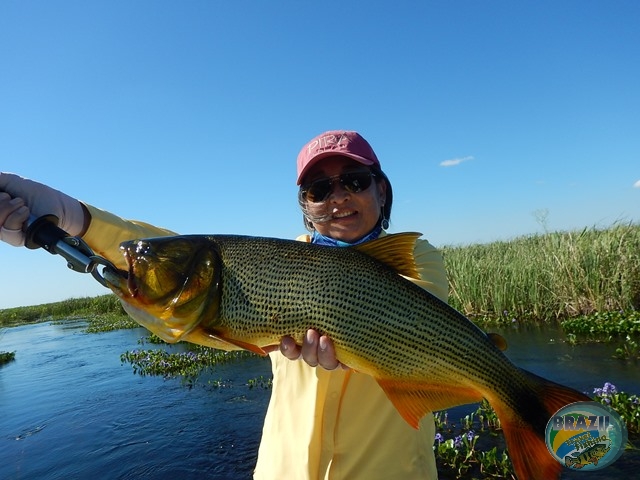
x: 470, y: 435
x: 598, y: 391
x: 609, y: 389
x: 457, y: 442
x: 439, y: 438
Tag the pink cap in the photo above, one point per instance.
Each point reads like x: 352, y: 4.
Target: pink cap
x: 335, y: 143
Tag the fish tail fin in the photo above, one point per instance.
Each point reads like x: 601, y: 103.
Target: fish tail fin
x: 524, y: 430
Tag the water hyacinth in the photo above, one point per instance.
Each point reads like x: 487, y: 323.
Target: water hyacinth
x: 188, y: 365
x: 457, y: 449
x: 627, y: 406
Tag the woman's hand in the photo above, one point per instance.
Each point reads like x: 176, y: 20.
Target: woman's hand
x: 13, y: 214
x: 19, y: 197
x: 316, y: 350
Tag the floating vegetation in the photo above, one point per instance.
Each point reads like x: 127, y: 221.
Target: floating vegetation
x: 188, y: 365
x: 613, y: 326
x: 604, y: 325
x: 474, y: 447
x: 629, y: 350
x: 627, y: 406
x: 6, y: 357
x: 260, y: 382
x: 109, y: 322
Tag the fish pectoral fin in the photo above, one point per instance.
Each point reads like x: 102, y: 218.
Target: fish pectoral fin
x: 414, y: 400
x: 243, y: 345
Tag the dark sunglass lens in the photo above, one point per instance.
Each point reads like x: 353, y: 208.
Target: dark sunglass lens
x: 319, y: 190
x: 356, y: 182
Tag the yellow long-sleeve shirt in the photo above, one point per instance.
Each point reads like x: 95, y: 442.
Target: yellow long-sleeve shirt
x: 320, y: 424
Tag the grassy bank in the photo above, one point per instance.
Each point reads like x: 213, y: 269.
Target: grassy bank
x: 86, y: 307
x: 547, y: 277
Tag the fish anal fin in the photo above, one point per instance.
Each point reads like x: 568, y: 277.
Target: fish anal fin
x: 414, y: 400
x: 394, y: 250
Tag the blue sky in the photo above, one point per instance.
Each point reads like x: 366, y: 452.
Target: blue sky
x: 492, y: 119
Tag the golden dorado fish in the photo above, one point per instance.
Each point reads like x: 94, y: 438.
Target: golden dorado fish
x: 235, y: 292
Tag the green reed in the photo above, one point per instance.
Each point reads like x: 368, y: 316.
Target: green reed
x: 72, y: 308
x: 547, y: 277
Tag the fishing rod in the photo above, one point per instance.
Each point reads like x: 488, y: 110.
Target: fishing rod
x: 43, y: 232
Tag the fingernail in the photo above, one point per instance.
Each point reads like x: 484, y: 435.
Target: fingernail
x: 16, y: 201
x: 322, y: 343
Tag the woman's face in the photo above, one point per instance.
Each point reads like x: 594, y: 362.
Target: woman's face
x: 349, y: 216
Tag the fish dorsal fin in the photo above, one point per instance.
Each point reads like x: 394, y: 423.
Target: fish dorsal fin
x: 394, y: 250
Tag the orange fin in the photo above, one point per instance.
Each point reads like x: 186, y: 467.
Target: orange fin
x: 498, y: 340
x: 529, y: 454
x: 413, y: 400
x: 395, y: 251
x: 222, y: 338
x: 246, y: 346
x: 524, y: 430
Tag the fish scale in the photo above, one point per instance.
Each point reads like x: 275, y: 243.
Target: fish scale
x: 235, y: 292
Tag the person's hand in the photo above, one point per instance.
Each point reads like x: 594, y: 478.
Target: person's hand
x: 316, y: 350
x: 19, y: 197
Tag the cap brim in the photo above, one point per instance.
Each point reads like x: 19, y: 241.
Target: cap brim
x: 364, y: 161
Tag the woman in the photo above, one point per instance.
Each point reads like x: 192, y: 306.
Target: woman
x: 321, y: 423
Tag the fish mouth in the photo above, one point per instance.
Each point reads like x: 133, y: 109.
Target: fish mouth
x: 117, y: 281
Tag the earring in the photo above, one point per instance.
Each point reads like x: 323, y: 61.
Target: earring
x: 384, y: 223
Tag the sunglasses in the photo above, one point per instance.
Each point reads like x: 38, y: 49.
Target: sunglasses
x: 320, y: 189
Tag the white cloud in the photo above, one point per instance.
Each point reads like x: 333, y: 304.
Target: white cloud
x: 637, y: 184
x: 455, y: 161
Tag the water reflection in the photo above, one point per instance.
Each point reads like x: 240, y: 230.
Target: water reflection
x: 71, y: 410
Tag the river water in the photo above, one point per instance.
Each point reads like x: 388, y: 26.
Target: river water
x: 70, y: 410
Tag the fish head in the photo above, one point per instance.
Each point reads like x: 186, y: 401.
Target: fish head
x: 171, y: 283
x: 600, y: 450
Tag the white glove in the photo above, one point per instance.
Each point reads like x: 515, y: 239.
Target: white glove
x: 39, y: 200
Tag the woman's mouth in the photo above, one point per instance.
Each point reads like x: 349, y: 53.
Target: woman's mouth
x: 338, y: 215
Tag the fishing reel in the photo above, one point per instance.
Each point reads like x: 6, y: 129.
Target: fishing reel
x: 44, y: 232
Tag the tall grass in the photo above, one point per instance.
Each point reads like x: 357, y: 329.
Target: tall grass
x: 548, y: 277
x: 70, y: 308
